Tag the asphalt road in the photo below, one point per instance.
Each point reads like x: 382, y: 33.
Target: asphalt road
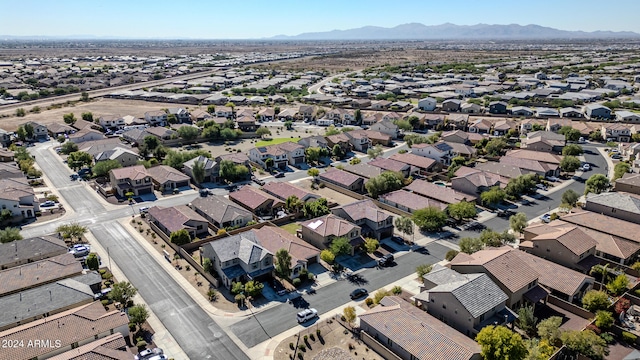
x: 260, y: 327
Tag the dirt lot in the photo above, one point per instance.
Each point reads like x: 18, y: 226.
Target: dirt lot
x: 330, y: 195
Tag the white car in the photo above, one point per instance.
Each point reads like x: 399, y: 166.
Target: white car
x: 586, y: 167
x: 144, y: 209
x: 552, y: 178
x: 305, y: 315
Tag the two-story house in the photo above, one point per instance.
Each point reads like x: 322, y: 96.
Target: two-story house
x: 238, y: 258
x: 17, y: 196
x: 224, y: 112
x: 210, y: 166
x: 125, y: 157
x: 5, y: 138
x: 307, y: 112
x: 221, y: 212
x: 359, y: 140
x: 440, y: 151
x: 293, y: 151
x: 39, y: 131
x: 111, y: 122
x: 427, y: 104
x: 373, y: 221
x: 181, y: 114
x: 134, y: 179
x: 156, y: 118
x: 172, y: 219
x: 260, y: 155
x: 320, y: 232
x: 386, y: 127
x: 565, y: 245
x: 258, y: 202
x: 615, y: 132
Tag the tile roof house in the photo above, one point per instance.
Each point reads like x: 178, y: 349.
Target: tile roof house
x: 363, y: 170
x: 79, y: 325
x: 133, y: 178
x: 472, y: 181
x: 391, y: 165
x: 302, y: 253
x: 211, y: 169
x: 411, y: 333
x: 440, y: 151
x: 96, y: 147
x: 386, y: 127
x: 515, y: 277
x: 456, y: 136
x: 30, y: 250
x: 419, y: 164
x: 480, y: 126
x: 258, y: 202
x: 37, y: 273
x: 504, y: 170
x: 629, y: 183
x: 440, y: 193
x: 18, y: 196
x: 409, y: 202
x: 282, y: 190
x: 615, y: 132
x: 342, y: 140
x: 238, y: 257
x: 48, y: 299
x: 236, y: 158
x: 283, y: 154
x: 358, y: 139
x: 123, y: 156
x: 468, y: 302
x: 343, y: 179
x: 623, y: 206
x: 172, y: 219
x: 10, y: 170
x: 321, y: 231
x: 166, y: 179
x: 221, y: 212
x: 373, y: 221
x: 314, y: 141
x: 546, y: 141
x: 112, y: 347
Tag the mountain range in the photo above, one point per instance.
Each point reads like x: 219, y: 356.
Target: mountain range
x: 448, y: 31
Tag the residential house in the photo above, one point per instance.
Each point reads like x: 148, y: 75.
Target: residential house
x: 432, y: 121
x: 440, y: 151
x: 376, y: 137
x: 343, y: 179
x: 439, y: 193
x: 502, y: 127
x: 427, y: 104
x: 266, y: 114
x: 451, y: 105
x: 627, y: 116
x: 386, y: 127
x: 358, y: 140
x: 320, y: 232
x: 283, y: 154
x: 556, y: 124
x: 156, y: 118
x: 172, y: 219
x: 238, y: 258
x: 373, y: 222
x: 546, y: 141
x: 596, y: 111
x: 123, y: 156
x: 39, y: 131
x: 498, y: 107
x: 94, y: 148
x: 236, y: 158
x: 302, y: 253
x: 504, y: 170
x: 409, y: 202
x: 258, y: 202
x: 623, y: 206
x: 411, y: 333
x: 17, y: 196
x: 6, y: 156
x: 181, y: 114
x: 246, y: 123
x: 615, y: 132
x: 200, y: 115
x: 86, y: 134
x: 224, y: 112
x: 470, y: 108
x: 463, y: 150
x: 420, y: 165
x: 30, y: 250
x: 480, y: 126
x: 166, y: 179
x: 473, y: 181
x: 211, y: 169
x: 162, y: 133
x: 455, y: 136
x: 111, y: 347
x: 221, y: 212
x: 457, y: 121
x: 503, y: 265
x: 294, y: 152
x: 75, y: 327
x: 10, y: 170
x: 521, y: 111
x: 307, y: 112
x: 133, y: 179
x: 314, y: 141
x: 532, y: 166
x: 381, y: 105
x: 527, y: 125
x: 48, y: 299
x: 363, y: 170
x: 387, y: 164
x: 629, y: 183
x: 342, y: 140
x: 38, y: 273
x: 111, y: 121
x: 545, y: 112
x: 466, y: 302
x: 5, y: 138
x: 282, y: 191
x: 570, y: 112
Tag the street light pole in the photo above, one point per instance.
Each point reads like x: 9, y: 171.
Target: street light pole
x: 109, y: 258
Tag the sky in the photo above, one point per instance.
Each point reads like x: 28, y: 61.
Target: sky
x: 255, y: 19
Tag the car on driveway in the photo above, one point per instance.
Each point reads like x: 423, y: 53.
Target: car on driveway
x: 541, y: 187
x: 358, y: 293
x: 552, y: 178
x: 545, y: 218
x: 386, y: 260
x: 48, y: 203
x: 505, y: 213
x: 278, y: 175
x: 306, y: 314
x: 397, y: 239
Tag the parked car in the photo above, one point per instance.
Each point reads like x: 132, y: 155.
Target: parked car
x: 257, y: 181
x: 79, y: 250
x: 386, y: 260
x: 541, y: 187
x: 545, y: 218
x: 278, y: 175
x: 358, y: 293
x: 586, y: 167
x: 581, y: 140
x: 397, y: 239
x: 505, y: 213
x: 306, y: 314
x: 552, y: 178
x: 144, y: 209
x: 48, y: 203
x: 616, y: 156
x: 204, y: 192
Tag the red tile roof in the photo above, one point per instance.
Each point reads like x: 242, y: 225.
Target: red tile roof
x: 414, y: 160
x: 274, y: 238
x: 440, y: 193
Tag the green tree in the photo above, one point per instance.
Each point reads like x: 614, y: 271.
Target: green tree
x: 569, y: 163
x: 493, y: 196
x: 570, y: 198
x: 151, y: 142
x: 549, y: 329
x: 283, y: 263
x: 404, y: 225
x: 584, y: 342
x: 20, y: 112
x: 138, y: 314
x: 188, y: 132
x: 268, y: 163
x: 470, y: 245
x: 422, y: 270
x: 618, y: 285
x: 87, y: 116
x: 375, y: 151
x: 102, y: 168
x: 211, y: 132
x: 340, y: 246
x: 358, y: 116
x: 430, y: 218
x: 69, y: 118
x: 570, y: 134
x: 539, y: 349
x: 21, y: 133
x: 68, y: 148
x: 313, y: 172
x: 383, y: 183
x: 595, y: 300
x: 172, y: 119
x: 79, y: 159
x: 451, y: 254
x: 84, y: 96
x: 93, y: 263
x: 237, y: 288
x: 500, y: 343
x: 620, y: 169
x: 228, y: 134
x: 5, y: 214
x: 180, y: 237
x: 604, y: 319
x: 572, y: 150
x: 371, y: 245
x: 315, y: 208
x: 10, y: 234
x: 207, y: 265
x: 253, y: 288
x: 293, y: 204
x: 262, y: 131
x: 527, y: 320
x: 518, y: 222
x: 231, y: 172
x: 327, y: 256
x: 288, y: 125
x: 349, y: 314
x: 403, y: 125
x: 198, y: 171
x: 523, y: 184
x: 495, y: 146
x: 71, y: 230
x: 462, y: 210
x: 596, y: 183
x: 211, y: 109
x: 337, y: 152
x: 122, y: 292
x: 331, y: 130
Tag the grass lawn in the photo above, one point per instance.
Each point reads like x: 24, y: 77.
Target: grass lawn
x: 291, y: 228
x: 274, y: 141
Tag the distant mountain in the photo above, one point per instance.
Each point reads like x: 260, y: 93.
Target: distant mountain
x: 417, y: 31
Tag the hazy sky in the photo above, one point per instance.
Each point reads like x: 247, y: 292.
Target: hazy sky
x: 241, y: 19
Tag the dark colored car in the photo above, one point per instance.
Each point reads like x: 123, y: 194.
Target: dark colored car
x: 358, y: 293
x: 397, y: 239
x: 278, y: 175
x: 386, y: 260
x: 505, y: 213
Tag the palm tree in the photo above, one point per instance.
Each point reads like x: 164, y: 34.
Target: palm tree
x: 198, y: 171
x: 601, y: 270
x: 293, y: 204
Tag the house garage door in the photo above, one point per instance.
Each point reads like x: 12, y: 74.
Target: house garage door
x: 144, y: 191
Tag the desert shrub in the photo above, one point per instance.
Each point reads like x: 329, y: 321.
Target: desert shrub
x: 302, y: 347
x: 369, y: 301
x: 397, y: 290
x: 296, y: 282
x: 291, y: 346
x: 628, y: 337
